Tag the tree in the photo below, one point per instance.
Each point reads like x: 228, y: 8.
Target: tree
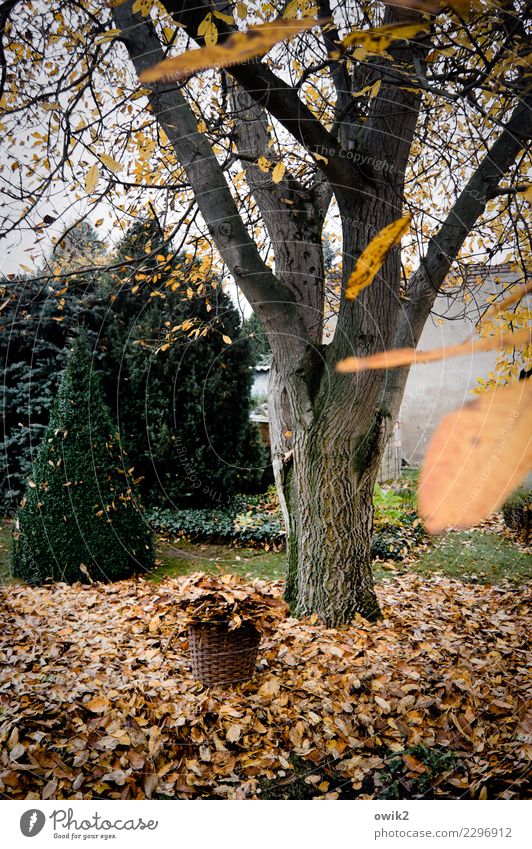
x: 362, y: 125
x: 182, y: 404
x: 260, y: 347
x: 80, y: 519
x: 35, y: 326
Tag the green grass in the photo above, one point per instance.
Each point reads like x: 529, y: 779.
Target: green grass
x: 182, y: 557
x: 467, y: 555
x: 476, y: 555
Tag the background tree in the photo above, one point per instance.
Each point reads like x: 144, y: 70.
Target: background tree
x: 80, y: 519
x: 35, y: 326
x: 432, y: 121
x: 260, y: 347
x: 178, y: 375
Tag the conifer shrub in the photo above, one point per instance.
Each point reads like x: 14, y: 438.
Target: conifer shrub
x: 517, y: 514
x: 80, y: 519
x: 182, y: 403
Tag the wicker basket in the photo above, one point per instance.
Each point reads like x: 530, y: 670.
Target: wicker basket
x: 221, y: 656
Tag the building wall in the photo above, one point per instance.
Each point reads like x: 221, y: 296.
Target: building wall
x: 435, y: 389
x: 438, y: 388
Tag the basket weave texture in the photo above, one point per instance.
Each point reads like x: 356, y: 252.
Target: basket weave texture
x: 221, y: 656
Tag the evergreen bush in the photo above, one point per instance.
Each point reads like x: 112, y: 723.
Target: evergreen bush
x: 79, y: 519
x: 36, y: 321
x: 517, y: 514
x: 182, y: 402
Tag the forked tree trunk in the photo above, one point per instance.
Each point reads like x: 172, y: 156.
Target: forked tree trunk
x: 325, y: 474
x: 329, y: 546
x: 327, y: 467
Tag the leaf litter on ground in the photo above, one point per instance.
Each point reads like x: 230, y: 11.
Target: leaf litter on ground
x: 98, y: 701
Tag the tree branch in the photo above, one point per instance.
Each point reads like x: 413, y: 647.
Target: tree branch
x: 272, y: 300
x: 283, y: 103
x: 444, y: 246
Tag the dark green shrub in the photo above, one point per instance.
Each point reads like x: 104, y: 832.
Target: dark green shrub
x: 79, y: 520
x: 240, y: 521
x: 397, y: 527
x: 517, y: 514
x: 34, y: 329
x: 395, y: 541
x: 182, y: 403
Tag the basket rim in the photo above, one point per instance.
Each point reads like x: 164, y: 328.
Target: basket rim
x: 198, y: 623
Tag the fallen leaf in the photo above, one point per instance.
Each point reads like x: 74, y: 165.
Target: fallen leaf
x: 413, y: 764
x: 269, y: 688
x: 98, y: 704
x: 233, y: 733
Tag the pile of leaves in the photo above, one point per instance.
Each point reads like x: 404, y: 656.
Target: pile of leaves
x: 205, y: 598
x: 97, y: 698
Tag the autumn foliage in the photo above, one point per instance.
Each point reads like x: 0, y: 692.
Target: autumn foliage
x: 79, y: 519
x: 428, y: 703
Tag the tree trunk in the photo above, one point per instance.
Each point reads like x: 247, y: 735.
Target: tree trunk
x: 328, y: 485
x: 325, y: 472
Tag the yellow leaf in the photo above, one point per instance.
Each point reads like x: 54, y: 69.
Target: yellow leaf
x: 528, y: 194
x: 91, y: 178
x: 477, y: 457
x: 278, y: 172
x: 237, y: 48
x: 264, y: 164
x: 204, y: 25
x: 228, y: 19
x: 320, y: 157
x: 374, y: 255
x: 142, y: 6
x: 211, y: 35
x: 409, y: 356
x: 169, y: 34
x: 227, y: 340
x: 378, y: 39
x: 375, y: 88
x: 110, y: 163
x: 106, y: 36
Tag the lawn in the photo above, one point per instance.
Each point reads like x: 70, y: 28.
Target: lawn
x: 476, y: 555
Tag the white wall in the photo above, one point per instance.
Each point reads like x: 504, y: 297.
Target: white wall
x: 438, y: 388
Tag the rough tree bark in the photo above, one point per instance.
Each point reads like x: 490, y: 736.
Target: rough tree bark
x: 328, y: 430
